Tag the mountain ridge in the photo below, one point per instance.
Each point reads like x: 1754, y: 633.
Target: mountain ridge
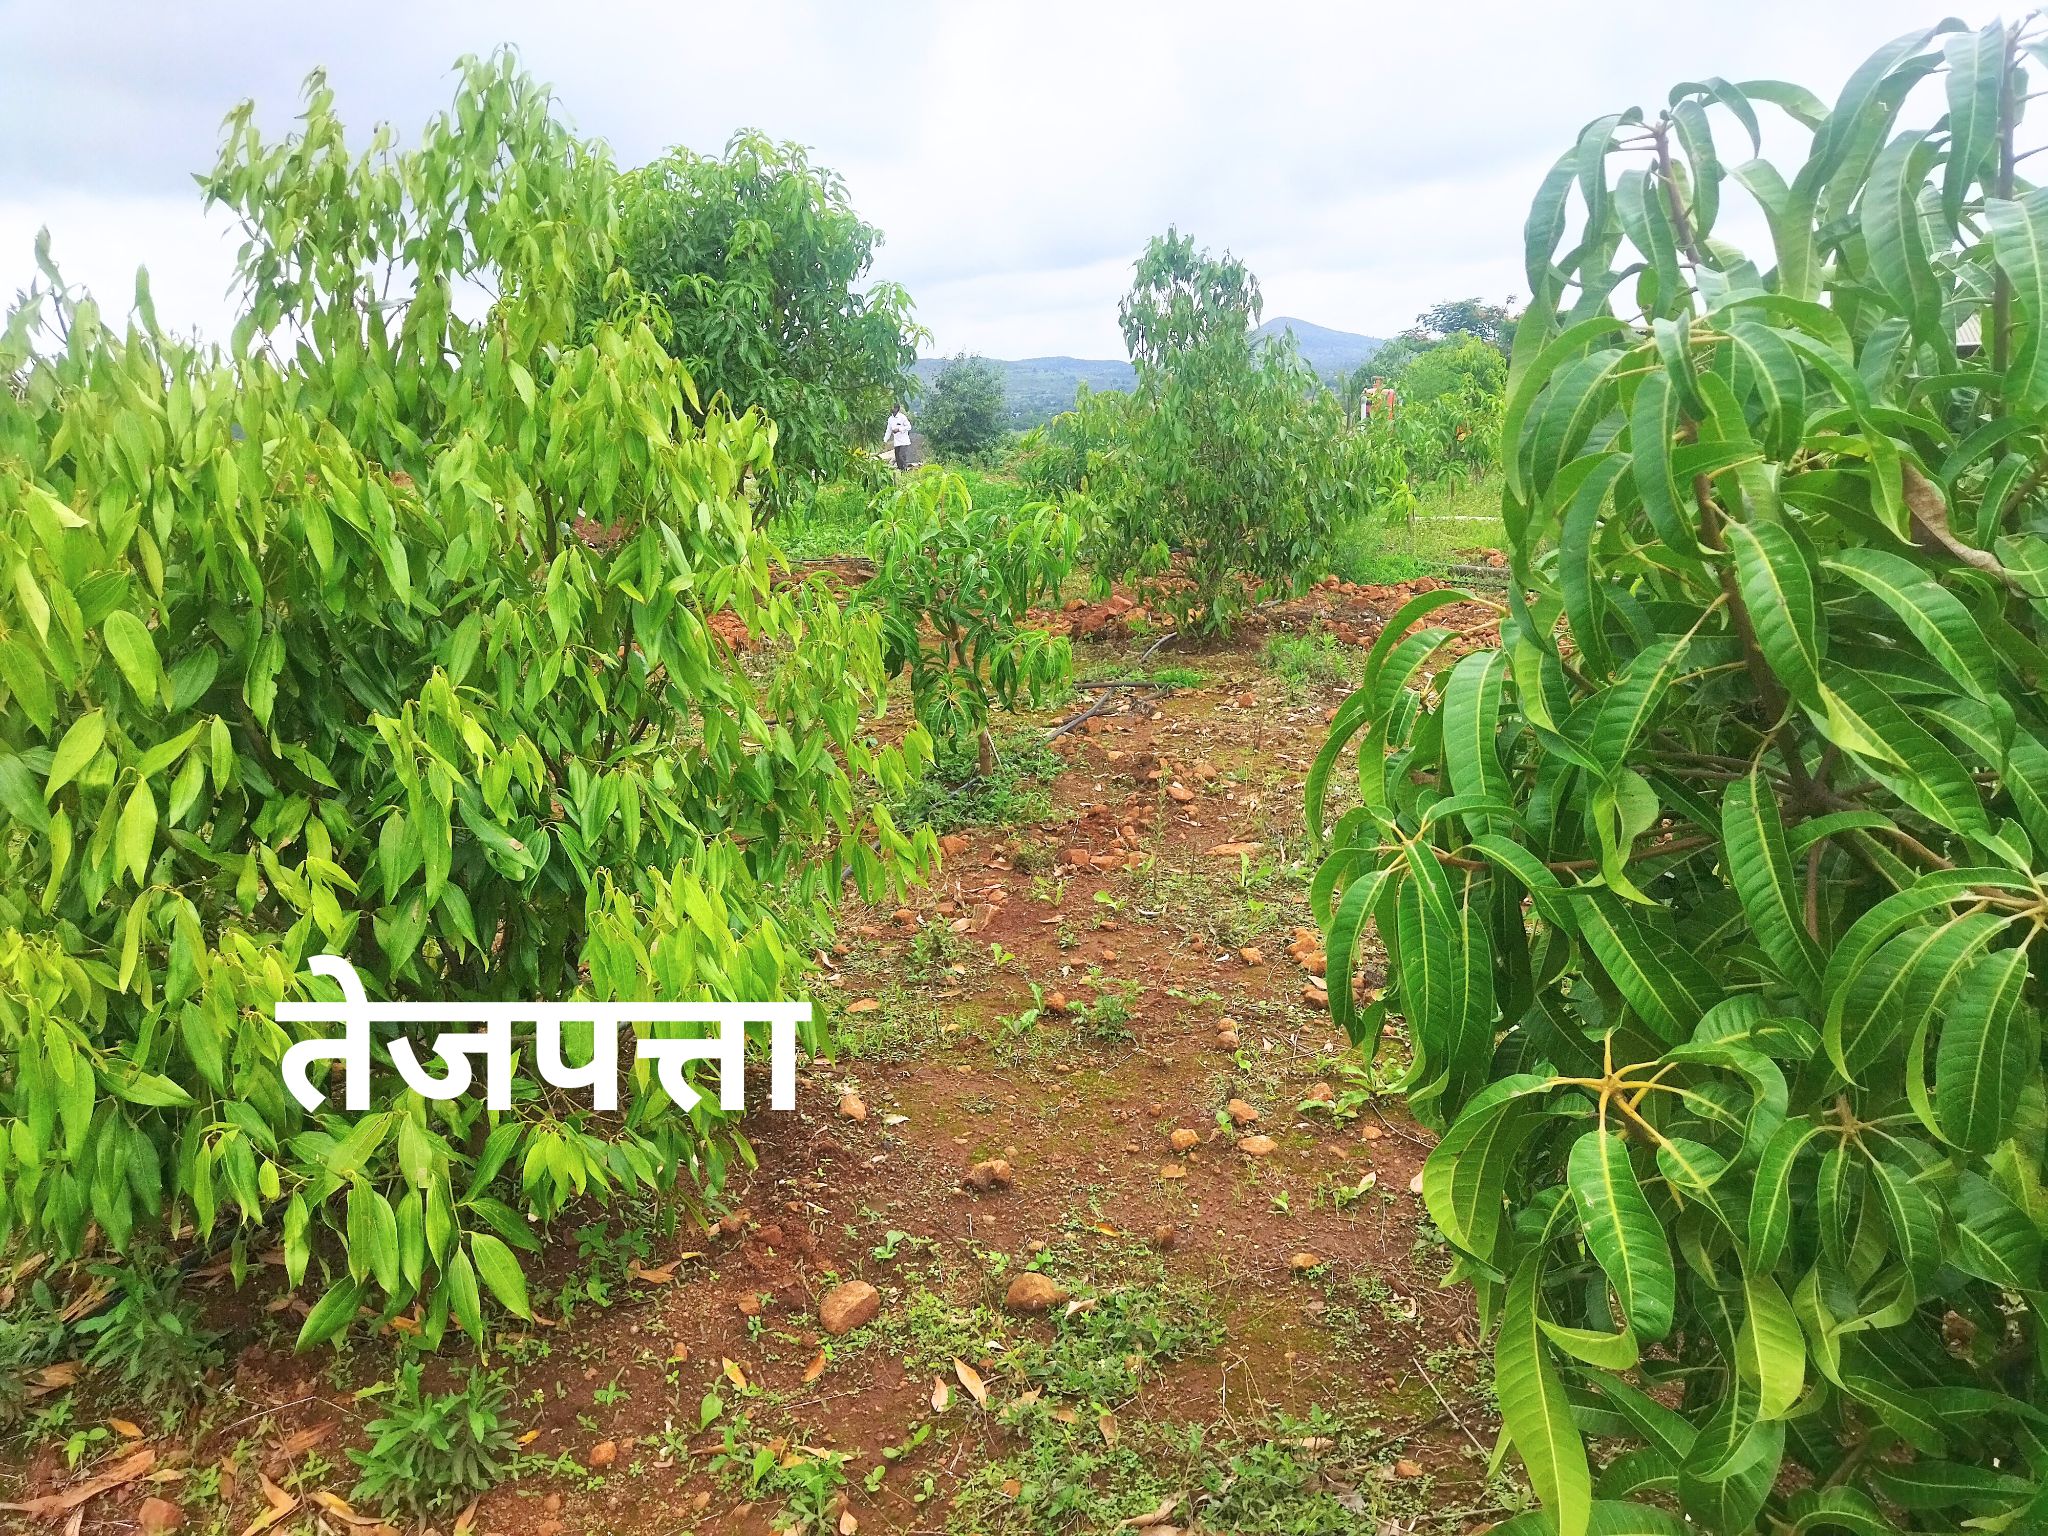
x: 1036, y: 389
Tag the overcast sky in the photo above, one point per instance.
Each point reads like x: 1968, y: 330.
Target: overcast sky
x: 1367, y: 158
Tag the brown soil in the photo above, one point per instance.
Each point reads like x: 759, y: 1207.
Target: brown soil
x: 1120, y: 892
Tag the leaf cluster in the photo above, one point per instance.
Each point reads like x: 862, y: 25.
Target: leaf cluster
x: 408, y: 637
x: 1715, y: 892
x: 954, y: 584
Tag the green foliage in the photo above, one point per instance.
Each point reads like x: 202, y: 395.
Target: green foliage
x: 1308, y: 661
x: 954, y: 582
x: 1445, y: 427
x: 433, y: 1451
x: 1491, y: 324
x: 754, y: 262
x: 32, y: 1336
x: 1228, y: 455
x: 955, y: 792
x: 1462, y: 365
x: 386, y: 634
x: 150, y: 1341
x: 962, y: 413
x: 1053, y: 460
x: 1715, y: 894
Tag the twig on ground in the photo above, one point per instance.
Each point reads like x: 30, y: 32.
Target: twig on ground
x: 1438, y: 1395
x: 1155, y: 645
x: 1108, y: 698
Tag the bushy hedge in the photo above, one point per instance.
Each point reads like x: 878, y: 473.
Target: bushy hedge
x: 408, y: 637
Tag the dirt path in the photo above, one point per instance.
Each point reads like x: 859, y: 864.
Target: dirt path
x: 1243, y: 1329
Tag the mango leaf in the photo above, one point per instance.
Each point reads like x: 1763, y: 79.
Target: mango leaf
x: 1534, y: 1410
x: 1990, y: 1050
x: 1778, y: 590
x: 1622, y: 1231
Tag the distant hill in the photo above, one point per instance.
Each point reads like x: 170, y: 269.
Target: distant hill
x: 1036, y: 389
x: 1331, y: 353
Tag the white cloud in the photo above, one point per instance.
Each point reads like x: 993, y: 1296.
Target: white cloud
x: 1368, y: 160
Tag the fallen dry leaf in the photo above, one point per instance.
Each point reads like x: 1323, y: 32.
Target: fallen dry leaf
x: 125, y: 1429
x: 301, y: 1441
x: 864, y: 1005
x: 661, y: 1276
x: 733, y: 1373
x: 51, y: 1505
x: 815, y: 1369
x: 281, y: 1504
x: 1107, y: 1425
x: 342, y: 1510
x: 942, y: 1395
x: 1152, y: 1517
x: 970, y: 1378
x: 1234, y: 850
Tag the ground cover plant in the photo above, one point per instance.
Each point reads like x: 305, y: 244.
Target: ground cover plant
x: 395, y: 644
x: 1714, y: 894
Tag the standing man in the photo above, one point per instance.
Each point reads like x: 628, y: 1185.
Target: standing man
x: 898, y: 435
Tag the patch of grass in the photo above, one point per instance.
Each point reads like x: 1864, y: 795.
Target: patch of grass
x: 953, y: 794
x: 1107, y: 1020
x: 1446, y: 530
x: 804, y: 1481
x: 904, y: 1026
x: 1178, y: 677
x: 833, y: 520
x: 930, y: 1331
x: 1065, y: 1476
x: 1100, y: 1351
x: 1305, y: 662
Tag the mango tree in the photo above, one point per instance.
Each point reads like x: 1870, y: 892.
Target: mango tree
x: 1715, y: 893
x: 1227, y: 456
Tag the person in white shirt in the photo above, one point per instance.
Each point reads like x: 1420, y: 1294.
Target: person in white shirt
x: 898, y: 436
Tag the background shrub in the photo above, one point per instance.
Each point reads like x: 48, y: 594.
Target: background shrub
x: 962, y: 415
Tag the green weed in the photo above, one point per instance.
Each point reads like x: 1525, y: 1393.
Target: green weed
x: 1305, y: 662
x: 953, y: 793
x: 433, y: 1450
